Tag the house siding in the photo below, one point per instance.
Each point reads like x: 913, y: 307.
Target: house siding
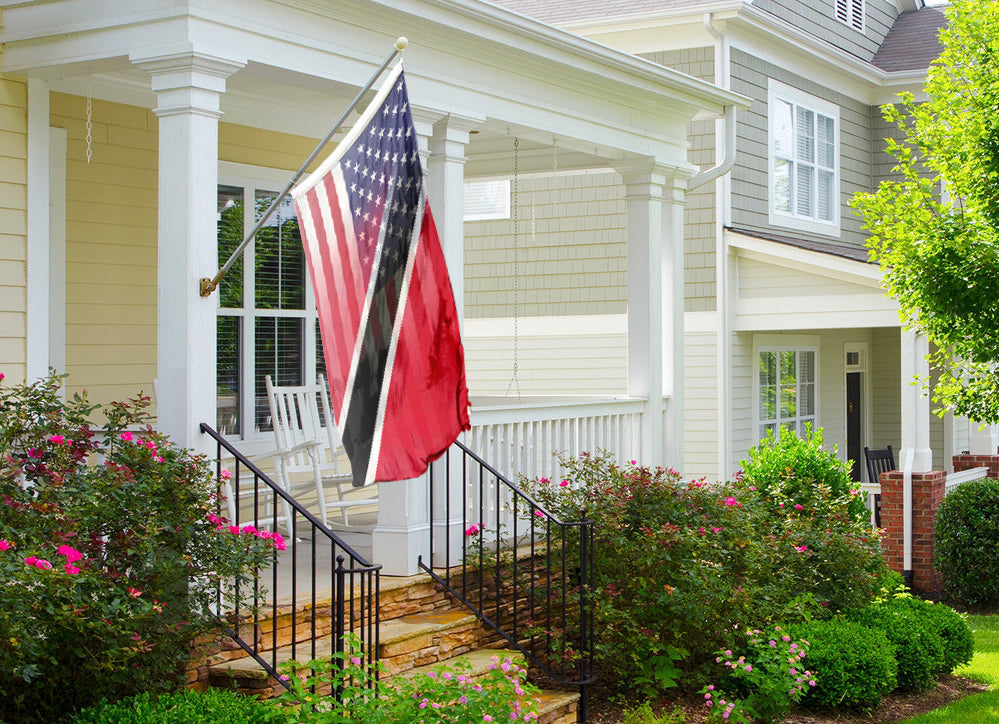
x: 571, y: 249
x: 111, y: 231
x: 13, y: 222
x: 750, y: 187
x: 700, y: 413
x: 110, y: 247
x: 575, y: 361
x: 886, y: 388
x: 700, y: 230
x: 819, y: 19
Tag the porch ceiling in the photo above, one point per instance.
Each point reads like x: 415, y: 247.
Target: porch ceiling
x: 304, y: 61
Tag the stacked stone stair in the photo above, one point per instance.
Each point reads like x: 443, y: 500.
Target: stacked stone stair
x: 421, y: 628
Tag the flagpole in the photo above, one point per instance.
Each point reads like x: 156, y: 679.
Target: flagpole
x: 210, y: 285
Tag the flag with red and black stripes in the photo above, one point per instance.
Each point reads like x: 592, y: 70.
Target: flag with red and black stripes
x: 389, y: 327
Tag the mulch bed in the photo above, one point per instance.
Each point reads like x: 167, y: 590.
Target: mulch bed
x: 895, y: 707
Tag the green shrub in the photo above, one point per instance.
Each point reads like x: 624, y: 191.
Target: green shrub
x: 966, y: 539
x: 955, y: 634
x: 919, y: 648
x: 854, y: 665
x: 794, y: 470
x: 214, y: 706
x: 683, y: 569
x: 112, y: 550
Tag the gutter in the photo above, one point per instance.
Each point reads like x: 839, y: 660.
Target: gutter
x: 724, y: 165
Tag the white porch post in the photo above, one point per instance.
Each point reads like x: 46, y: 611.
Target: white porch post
x: 915, y: 455
x: 188, y: 86
x: 446, y: 191
x: 984, y: 440
x: 654, y: 199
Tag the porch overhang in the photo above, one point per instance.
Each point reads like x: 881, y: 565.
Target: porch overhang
x: 784, y: 286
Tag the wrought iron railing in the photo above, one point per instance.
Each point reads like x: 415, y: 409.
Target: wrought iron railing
x: 522, y: 571
x: 339, y: 584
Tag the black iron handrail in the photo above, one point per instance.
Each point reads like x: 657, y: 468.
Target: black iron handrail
x: 353, y: 587
x: 523, y: 572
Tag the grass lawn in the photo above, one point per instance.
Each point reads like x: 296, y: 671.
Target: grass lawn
x: 984, y: 667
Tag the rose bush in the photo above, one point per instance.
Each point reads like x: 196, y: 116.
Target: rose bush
x: 112, y: 553
x: 685, y: 568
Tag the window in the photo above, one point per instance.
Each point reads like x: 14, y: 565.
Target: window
x: 804, y: 154
x: 486, y: 200
x: 786, y: 390
x: 266, y: 316
x: 851, y: 12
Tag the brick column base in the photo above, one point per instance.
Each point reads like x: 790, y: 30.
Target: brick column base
x: 927, y: 491
x: 966, y: 462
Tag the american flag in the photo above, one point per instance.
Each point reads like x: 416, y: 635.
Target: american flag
x: 386, y: 310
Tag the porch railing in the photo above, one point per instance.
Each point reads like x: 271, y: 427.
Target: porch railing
x: 317, y: 576
x: 523, y: 438
x: 521, y: 570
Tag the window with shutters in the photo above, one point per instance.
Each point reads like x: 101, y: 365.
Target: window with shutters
x: 804, y: 160
x: 266, y: 321
x: 850, y: 12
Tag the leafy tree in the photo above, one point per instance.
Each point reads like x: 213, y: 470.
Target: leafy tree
x: 935, y: 229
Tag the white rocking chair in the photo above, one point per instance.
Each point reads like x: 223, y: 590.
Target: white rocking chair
x: 308, y: 448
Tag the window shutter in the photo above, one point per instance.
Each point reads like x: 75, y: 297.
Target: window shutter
x: 857, y: 16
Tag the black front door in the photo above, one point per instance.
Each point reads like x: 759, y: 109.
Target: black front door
x: 854, y: 449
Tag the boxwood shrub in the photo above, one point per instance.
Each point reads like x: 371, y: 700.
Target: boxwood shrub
x: 919, y: 648
x: 214, y: 706
x: 854, y: 665
x: 966, y: 541
x: 952, y: 628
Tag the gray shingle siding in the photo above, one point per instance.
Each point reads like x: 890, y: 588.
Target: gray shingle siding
x: 750, y: 182
x: 818, y: 18
x: 699, y: 214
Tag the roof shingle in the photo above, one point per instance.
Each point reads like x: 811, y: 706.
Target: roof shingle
x: 912, y: 42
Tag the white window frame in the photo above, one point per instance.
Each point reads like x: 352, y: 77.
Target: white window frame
x: 778, y: 344
x: 781, y: 92
x: 852, y: 13
x: 252, y: 179
x: 486, y: 199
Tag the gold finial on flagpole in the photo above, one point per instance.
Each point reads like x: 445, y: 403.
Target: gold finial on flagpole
x: 401, y: 42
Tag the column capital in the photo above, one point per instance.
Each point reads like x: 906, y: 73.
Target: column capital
x: 186, y: 80
x: 648, y: 172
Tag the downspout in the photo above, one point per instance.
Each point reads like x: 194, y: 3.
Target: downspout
x: 725, y: 128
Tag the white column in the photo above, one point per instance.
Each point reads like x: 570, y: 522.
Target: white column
x: 188, y: 86
x: 402, y: 533
x: 38, y: 318
x: 984, y: 439
x: 446, y: 191
x: 915, y: 455
x: 654, y: 198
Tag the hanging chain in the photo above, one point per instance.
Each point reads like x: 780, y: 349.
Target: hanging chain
x: 90, y: 122
x: 514, y: 379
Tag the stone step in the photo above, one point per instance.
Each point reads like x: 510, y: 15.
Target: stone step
x: 404, y: 643
x: 558, y: 707
x: 480, y: 662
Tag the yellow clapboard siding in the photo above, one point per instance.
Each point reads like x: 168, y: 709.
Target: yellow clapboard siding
x: 104, y: 334
x: 127, y: 376
x: 12, y: 273
x: 12, y: 324
x: 13, y: 170
x: 66, y: 105
x: 120, y: 214
x: 13, y: 144
x: 77, y: 171
x: 13, y: 221
x: 14, y: 118
x: 128, y: 137
x: 13, y: 195
x: 81, y: 313
x: 101, y: 271
x: 12, y: 247
x: 12, y: 298
x: 115, y: 354
x: 116, y: 300
x: 12, y: 352
x: 13, y: 93
x: 124, y: 254
x: 103, y: 156
x: 98, y: 234
x: 114, y: 193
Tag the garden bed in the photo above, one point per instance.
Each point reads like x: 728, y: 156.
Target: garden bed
x: 894, y: 707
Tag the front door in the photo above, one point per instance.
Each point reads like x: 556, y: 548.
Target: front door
x: 854, y: 449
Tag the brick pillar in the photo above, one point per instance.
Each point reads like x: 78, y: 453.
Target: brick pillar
x: 966, y: 462
x: 927, y: 491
